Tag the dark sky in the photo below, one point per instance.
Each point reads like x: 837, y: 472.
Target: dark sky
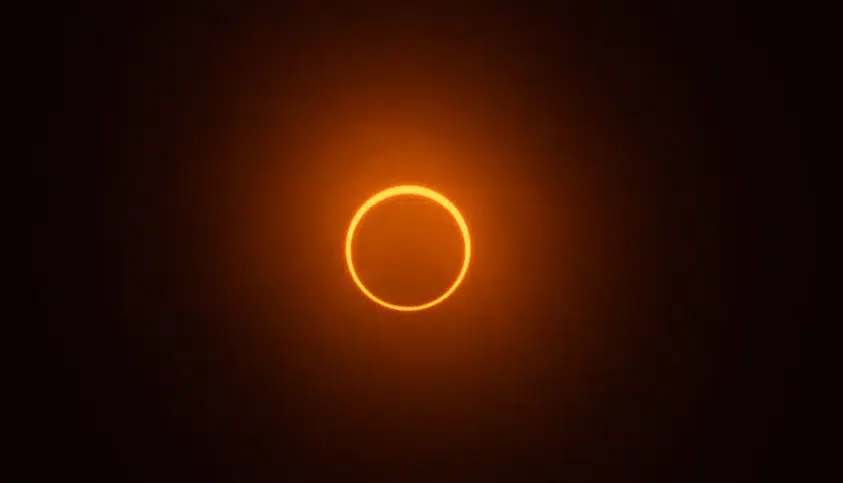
x: 627, y: 172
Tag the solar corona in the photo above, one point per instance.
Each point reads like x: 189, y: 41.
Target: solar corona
x: 408, y: 190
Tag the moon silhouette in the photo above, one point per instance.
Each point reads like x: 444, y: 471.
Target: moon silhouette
x: 408, y: 190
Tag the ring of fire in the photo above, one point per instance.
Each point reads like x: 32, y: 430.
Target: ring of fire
x: 414, y: 191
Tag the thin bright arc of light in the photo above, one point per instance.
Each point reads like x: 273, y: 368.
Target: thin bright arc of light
x: 412, y: 190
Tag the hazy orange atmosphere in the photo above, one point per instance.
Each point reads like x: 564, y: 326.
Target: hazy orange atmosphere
x: 439, y: 115
x: 412, y: 244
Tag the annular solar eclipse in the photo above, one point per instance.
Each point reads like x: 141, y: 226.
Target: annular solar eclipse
x: 408, y: 190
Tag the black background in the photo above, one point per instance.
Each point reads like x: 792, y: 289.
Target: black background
x: 696, y: 315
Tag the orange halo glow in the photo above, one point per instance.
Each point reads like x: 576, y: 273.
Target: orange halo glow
x: 417, y: 191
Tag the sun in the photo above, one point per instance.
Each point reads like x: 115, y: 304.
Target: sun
x: 408, y: 190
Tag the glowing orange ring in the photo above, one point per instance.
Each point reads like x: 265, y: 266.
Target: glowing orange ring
x: 418, y: 191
